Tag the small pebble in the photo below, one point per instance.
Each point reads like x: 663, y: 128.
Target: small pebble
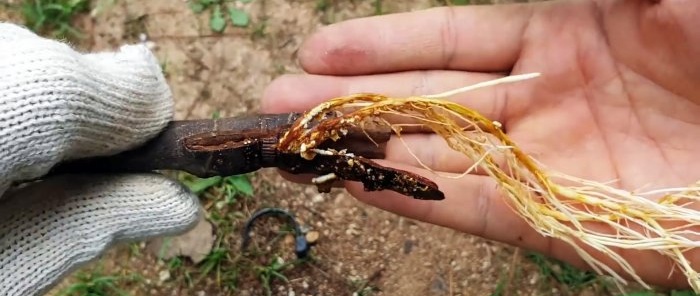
x: 312, y: 236
x: 288, y: 239
x: 534, y: 279
x: 317, y: 198
x: 408, y: 246
x: 587, y: 292
x: 164, y: 275
x: 438, y: 286
x: 352, y: 229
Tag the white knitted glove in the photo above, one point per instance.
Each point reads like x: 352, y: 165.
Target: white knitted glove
x: 57, y: 104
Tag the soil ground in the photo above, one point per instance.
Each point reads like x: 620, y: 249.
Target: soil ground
x: 361, y: 250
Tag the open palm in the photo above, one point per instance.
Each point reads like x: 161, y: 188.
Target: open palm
x: 618, y: 99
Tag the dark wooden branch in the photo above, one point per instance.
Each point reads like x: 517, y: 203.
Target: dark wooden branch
x: 239, y: 145
x: 221, y: 147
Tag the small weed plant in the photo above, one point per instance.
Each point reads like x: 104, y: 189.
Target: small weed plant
x: 222, y: 189
x: 53, y: 18
x: 96, y: 283
x: 222, y: 12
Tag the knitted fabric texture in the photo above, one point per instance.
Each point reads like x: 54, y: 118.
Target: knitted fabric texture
x: 57, y: 104
x: 51, y: 228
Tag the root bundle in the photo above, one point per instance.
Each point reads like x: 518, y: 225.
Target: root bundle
x: 555, y: 204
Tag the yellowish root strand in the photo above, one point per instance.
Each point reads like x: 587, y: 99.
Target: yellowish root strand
x: 536, y: 194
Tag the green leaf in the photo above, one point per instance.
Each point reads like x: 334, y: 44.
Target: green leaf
x: 460, y: 2
x: 197, y: 7
x: 242, y: 185
x: 378, y: 7
x: 200, y: 185
x: 642, y: 293
x: 77, y: 3
x: 683, y: 293
x: 238, y: 17
x: 56, y: 7
x: 322, y: 5
x: 217, y: 21
x: 279, y: 275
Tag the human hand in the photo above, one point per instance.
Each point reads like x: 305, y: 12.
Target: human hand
x: 56, y: 105
x: 617, y: 100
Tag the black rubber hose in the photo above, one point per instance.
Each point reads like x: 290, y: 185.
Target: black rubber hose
x: 301, y: 246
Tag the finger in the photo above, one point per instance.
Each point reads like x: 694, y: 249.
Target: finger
x: 431, y: 151
x: 473, y: 204
x: 298, y: 93
x: 473, y: 38
x: 476, y: 205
